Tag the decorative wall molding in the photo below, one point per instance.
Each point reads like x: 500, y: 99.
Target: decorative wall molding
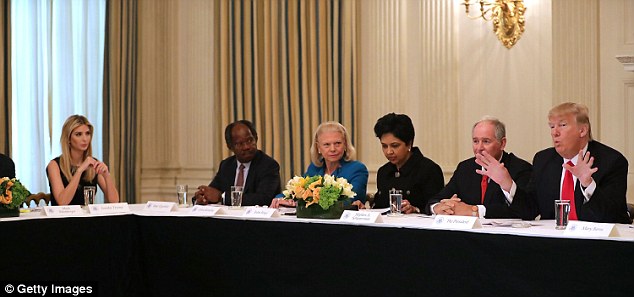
x: 627, y: 61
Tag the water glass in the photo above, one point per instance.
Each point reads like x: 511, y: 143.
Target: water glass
x: 396, y: 199
x: 181, y: 193
x: 562, y: 210
x: 236, y: 196
x: 89, y: 195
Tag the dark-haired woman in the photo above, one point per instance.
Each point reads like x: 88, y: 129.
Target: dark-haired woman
x: 418, y: 177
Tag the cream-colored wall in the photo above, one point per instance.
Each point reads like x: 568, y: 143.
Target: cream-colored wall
x: 616, y: 20
x: 446, y: 71
x: 409, y: 65
x: 424, y: 58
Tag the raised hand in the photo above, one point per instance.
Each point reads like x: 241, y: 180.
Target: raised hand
x: 494, y: 170
x: 583, y: 170
x: 101, y: 168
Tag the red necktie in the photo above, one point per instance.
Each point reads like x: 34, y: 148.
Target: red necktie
x: 240, y: 180
x: 483, y: 185
x: 568, y: 192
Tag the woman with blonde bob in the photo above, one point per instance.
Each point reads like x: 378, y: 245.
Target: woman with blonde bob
x: 332, y: 153
x: 76, y: 168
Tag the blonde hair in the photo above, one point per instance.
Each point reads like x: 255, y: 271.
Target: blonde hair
x: 580, y: 111
x: 331, y: 126
x: 71, y: 124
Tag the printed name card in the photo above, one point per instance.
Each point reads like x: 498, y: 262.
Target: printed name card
x: 160, y: 206
x: 352, y: 216
x: 63, y: 211
x: 456, y: 222
x: 588, y: 229
x: 206, y: 210
x: 260, y: 212
x: 109, y: 208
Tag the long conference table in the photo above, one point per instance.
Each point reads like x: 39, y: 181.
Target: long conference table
x: 143, y: 253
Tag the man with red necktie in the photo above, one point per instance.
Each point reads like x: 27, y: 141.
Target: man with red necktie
x: 590, y: 174
x: 476, y: 191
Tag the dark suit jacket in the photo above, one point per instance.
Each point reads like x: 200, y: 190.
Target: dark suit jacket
x: 263, y: 180
x: 7, y: 167
x: 607, y: 204
x: 466, y: 183
x: 420, y: 178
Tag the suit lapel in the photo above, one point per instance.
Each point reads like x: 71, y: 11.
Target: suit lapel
x: 248, y: 183
x: 492, y: 187
x: 554, y: 177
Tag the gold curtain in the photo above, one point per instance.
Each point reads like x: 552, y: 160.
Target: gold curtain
x: 5, y: 76
x: 287, y: 66
x: 120, y: 101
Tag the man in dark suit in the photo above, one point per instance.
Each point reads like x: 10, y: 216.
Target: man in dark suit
x: 7, y: 167
x: 598, y: 174
x: 260, y: 175
x: 485, y: 184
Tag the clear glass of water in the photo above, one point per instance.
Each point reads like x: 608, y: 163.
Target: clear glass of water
x: 89, y: 195
x: 396, y: 200
x: 562, y: 210
x: 181, y: 193
x: 236, y: 197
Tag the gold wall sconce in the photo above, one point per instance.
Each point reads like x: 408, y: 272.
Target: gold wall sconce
x: 507, y: 17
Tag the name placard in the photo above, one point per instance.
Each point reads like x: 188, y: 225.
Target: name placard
x: 108, y: 208
x: 160, y: 206
x: 63, y: 211
x: 456, y: 222
x: 589, y: 229
x: 260, y: 212
x: 206, y: 210
x: 351, y: 216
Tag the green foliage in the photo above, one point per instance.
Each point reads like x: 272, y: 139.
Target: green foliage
x: 17, y: 190
x: 328, y: 196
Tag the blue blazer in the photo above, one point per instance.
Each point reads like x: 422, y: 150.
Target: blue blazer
x: 354, y: 171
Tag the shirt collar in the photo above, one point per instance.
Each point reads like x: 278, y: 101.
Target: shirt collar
x: 246, y: 165
x: 575, y: 159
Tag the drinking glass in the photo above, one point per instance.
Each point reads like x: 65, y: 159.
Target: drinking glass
x: 562, y: 210
x: 396, y: 199
x: 236, y: 197
x: 89, y: 195
x: 181, y: 193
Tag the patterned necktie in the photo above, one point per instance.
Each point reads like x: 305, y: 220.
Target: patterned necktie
x: 240, y: 180
x: 483, y: 185
x: 568, y: 192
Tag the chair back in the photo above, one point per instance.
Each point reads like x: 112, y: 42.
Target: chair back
x: 39, y: 199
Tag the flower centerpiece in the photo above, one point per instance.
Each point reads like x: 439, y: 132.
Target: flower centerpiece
x: 12, y: 195
x: 319, y: 196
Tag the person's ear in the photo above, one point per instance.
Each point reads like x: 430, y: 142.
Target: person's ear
x: 583, y: 131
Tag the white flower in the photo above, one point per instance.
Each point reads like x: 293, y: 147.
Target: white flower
x: 329, y: 180
x: 347, y: 191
